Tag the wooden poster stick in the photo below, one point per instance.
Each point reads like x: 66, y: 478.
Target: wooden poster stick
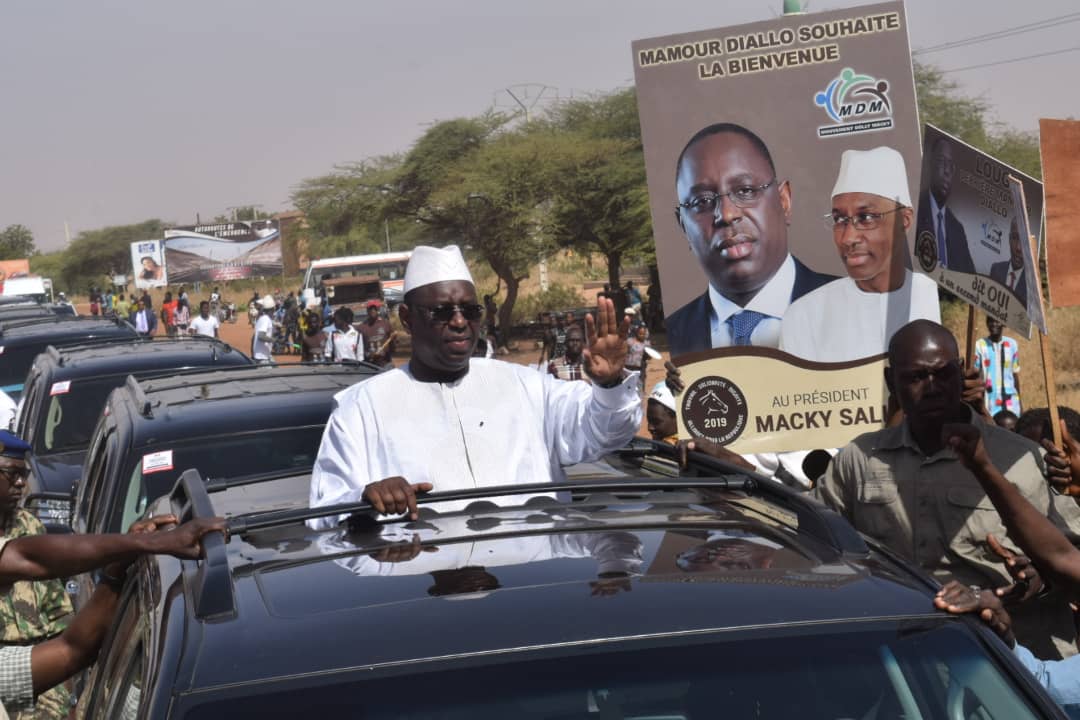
x: 969, y: 351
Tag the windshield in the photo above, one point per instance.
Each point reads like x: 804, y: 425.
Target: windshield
x: 15, y: 363
x: 157, y: 468
x: 385, y: 271
x: 871, y: 671
x: 72, y: 414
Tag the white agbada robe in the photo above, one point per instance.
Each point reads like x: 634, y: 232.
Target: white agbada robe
x: 500, y: 424
x: 839, y: 322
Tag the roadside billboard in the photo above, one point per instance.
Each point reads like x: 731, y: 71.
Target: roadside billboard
x: 223, y: 251
x: 148, y: 264
x: 13, y: 269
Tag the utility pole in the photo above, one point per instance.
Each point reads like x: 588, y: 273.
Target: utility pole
x: 527, y: 96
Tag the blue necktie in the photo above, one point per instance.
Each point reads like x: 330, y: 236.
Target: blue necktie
x: 743, y: 324
x: 941, y: 238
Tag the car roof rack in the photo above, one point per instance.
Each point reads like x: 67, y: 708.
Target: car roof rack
x: 213, y: 596
x: 277, y: 371
x: 142, y: 403
x: 811, y: 516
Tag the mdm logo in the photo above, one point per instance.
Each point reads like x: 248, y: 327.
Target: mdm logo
x: 855, y: 103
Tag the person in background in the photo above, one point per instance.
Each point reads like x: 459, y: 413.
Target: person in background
x: 313, y: 341
x: 95, y: 301
x: 181, y: 318
x: 377, y: 336
x: 491, y: 321
x: 30, y: 611
x: 143, y: 319
x: 253, y: 308
x: 262, y: 342
x: 554, y: 340
x: 205, y: 324
x: 997, y: 356
x: 570, y: 365
x: 660, y: 415
x: 168, y: 314
x: 343, y: 342
x: 633, y: 297
x: 1006, y: 419
x: 147, y: 300
x: 636, y: 359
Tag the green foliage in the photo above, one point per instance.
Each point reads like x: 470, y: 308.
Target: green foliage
x: 943, y: 105
x: 49, y: 265
x: 556, y: 297
x: 16, y: 242
x: 94, y: 255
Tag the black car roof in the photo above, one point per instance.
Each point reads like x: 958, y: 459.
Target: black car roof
x: 237, y: 399
x: 137, y: 355
x: 62, y: 327
x: 311, y: 603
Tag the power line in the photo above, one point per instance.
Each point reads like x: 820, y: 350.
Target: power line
x: 1013, y: 60
x: 1001, y: 34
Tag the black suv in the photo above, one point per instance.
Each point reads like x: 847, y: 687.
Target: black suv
x: 22, y: 340
x: 717, y: 595
x: 64, y: 396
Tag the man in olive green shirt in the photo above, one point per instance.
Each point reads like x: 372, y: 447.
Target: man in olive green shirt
x: 904, y: 486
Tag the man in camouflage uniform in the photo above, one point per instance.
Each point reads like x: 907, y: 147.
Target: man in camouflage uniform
x: 30, y: 612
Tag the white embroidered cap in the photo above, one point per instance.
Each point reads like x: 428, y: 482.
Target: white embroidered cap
x: 431, y: 265
x: 661, y: 394
x: 880, y: 171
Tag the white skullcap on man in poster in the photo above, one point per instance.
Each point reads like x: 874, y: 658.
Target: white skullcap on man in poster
x: 853, y: 317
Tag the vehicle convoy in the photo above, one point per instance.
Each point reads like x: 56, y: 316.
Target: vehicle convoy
x: 388, y: 267
x: 228, y: 423
x: 23, y: 340
x: 64, y: 397
x: 715, y: 594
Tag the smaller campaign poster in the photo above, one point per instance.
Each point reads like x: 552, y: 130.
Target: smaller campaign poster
x: 969, y: 236
x: 148, y: 263
x: 1059, y: 142
x: 224, y: 251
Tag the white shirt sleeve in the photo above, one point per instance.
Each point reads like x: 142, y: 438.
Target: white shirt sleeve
x: 584, y: 421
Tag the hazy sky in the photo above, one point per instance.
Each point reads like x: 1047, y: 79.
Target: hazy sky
x: 115, y: 112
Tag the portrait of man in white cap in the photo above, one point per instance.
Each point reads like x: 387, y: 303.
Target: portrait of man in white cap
x: 447, y: 420
x: 855, y: 316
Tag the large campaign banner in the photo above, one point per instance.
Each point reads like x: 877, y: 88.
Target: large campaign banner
x: 223, y: 251
x: 782, y: 161
x: 148, y: 264
x: 970, y: 239
x: 1059, y: 144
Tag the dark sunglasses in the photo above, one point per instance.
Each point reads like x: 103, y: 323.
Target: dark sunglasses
x: 445, y: 313
x: 14, y: 475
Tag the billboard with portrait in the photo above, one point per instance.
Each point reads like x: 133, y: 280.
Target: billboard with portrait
x: 782, y: 161
x: 970, y: 239
x: 223, y: 251
x: 148, y: 264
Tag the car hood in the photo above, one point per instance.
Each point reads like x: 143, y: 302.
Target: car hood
x: 55, y: 473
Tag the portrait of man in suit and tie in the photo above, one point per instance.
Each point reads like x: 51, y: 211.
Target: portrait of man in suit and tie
x: 734, y: 211
x: 937, y: 218
x: 1010, y: 273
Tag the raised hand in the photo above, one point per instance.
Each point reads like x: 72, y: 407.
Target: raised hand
x: 183, y: 542
x: 966, y: 442
x: 673, y: 378
x: 974, y: 392
x: 1063, y: 464
x: 605, y: 355
x: 1027, y: 583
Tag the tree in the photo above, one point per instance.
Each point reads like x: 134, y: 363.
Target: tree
x: 943, y: 105
x: 16, y: 242
x: 94, y: 254
x: 600, y: 198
